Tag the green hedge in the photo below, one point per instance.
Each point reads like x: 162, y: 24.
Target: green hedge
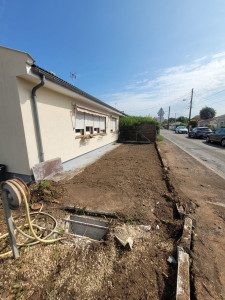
x: 129, y: 127
x: 133, y: 121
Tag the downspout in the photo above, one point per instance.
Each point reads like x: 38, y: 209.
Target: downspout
x: 36, y: 118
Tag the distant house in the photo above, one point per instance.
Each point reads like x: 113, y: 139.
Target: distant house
x: 204, y: 123
x: 216, y: 122
x: 43, y: 117
x: 172, y: 126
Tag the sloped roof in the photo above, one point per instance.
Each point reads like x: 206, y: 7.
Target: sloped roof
x: 50, y: 76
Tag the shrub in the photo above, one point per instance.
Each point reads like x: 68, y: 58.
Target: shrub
x: 135, y: 121
x: 128, y: 125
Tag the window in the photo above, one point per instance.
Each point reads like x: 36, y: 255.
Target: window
x: 89, y: 123
x: 102, y: 124
x: 79, y: 124
x: 96, y: 124
x: 113, y: 124
x: 219, y: 131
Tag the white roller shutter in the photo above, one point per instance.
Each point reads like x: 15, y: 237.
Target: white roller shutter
x: 89, y: 120
x: 79, y: 120
x: 102, y: 123
x: 113, y: 124
x: 96, y: 122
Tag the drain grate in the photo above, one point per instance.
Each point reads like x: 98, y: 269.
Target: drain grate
x: 87, y: 227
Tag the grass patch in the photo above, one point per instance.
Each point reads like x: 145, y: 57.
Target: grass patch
x: 159, y: 138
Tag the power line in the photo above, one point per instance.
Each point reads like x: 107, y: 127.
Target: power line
x: 168, y: 102
x: 199, y: 105
x: 209, y: 98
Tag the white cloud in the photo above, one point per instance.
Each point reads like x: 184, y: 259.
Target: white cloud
x: 144, y: 96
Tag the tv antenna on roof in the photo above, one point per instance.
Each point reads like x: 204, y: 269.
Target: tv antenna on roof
x: 73, y: 76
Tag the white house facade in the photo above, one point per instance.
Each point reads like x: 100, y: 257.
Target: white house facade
x: 43, y: 117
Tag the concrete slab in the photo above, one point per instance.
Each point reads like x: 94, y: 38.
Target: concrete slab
x: 47, y: 169
x: 186, y: 235
x: 183, y: 280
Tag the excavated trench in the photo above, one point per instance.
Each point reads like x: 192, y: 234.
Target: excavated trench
x: 129, y: 181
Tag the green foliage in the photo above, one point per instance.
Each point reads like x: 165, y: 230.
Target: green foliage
x: 159, y: 138
x: 207, y: 113
x: 165, y: 221
x: 182, y: 119
x: 135, y: 121
x: 171, y: 120
x: 56, y: 256
x: 223, y: 126
x: 129, y: 127
x: 196, y: 117
x: 193, y: 123
x: 182, y: 124
x: 132, y: 219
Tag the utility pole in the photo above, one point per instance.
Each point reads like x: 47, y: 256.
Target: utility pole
x: 189, y: 119
x: 168, y: 118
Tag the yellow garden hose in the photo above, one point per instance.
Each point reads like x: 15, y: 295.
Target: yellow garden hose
x: 19, y: 191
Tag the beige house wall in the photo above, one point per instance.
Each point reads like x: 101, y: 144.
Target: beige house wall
x: 19, y: 149
x: 57, y: 123
x: 13, y: 152
x: 217, y: 122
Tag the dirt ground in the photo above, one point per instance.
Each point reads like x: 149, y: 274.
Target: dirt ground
x: 194, y: 184
x: 129, y: 181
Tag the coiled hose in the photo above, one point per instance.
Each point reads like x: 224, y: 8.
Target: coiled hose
x: 25, y: 197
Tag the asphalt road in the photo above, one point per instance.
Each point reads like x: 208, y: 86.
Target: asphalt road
x: 210, y: 155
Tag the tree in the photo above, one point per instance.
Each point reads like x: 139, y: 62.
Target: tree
x: 207, y: 113
x: 182, y: 119
x: 171, y: 120
x: 196, y: 117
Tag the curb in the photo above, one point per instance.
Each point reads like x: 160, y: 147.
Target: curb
x: 164, y: 163
x: 183, y: 278
x: 183, y: 271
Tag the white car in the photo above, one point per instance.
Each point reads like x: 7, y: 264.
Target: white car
x: 181, y: 129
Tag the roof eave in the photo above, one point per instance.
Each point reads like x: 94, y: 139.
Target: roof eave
x: 39, y: 71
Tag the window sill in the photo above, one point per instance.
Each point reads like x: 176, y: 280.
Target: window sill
x: 89, y: 136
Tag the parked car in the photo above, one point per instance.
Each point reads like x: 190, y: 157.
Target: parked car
x: 218, y: 137
x: 200, y: 132
x: 181, y: 129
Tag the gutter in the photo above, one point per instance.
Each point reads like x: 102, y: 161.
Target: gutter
x: 36, y: 118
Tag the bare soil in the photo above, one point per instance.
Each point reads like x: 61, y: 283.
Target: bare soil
x: 131, y: 182
x: 194, y: 185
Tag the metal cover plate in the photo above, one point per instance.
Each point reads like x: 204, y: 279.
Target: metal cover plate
x: 86, y: 229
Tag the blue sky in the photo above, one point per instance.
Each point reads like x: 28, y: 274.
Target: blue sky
x: 136, y: 55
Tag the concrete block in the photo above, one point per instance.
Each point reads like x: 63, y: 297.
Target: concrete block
x: 183, y: 279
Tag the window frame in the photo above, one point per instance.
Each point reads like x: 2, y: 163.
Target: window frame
x: 88, y: 130
x: 111, y: 129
